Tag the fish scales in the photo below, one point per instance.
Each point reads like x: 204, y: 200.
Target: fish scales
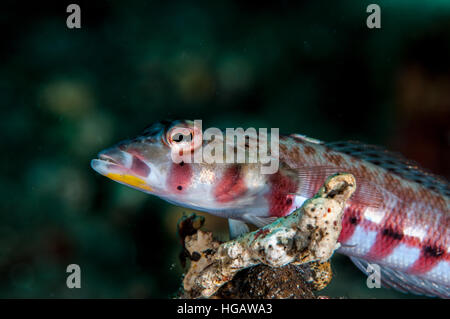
x: 409, y: 231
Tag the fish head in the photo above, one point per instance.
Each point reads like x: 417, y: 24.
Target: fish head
x: 153, y: 162
x: 142, y: 162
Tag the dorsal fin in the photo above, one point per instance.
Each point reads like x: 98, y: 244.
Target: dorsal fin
x: 306, y: 138
x: 393, y: 162
x: 237, y: 228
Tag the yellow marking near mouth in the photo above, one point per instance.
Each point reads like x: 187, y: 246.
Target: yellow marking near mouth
x: 129, y: 180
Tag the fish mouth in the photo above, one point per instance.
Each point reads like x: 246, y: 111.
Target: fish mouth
x: 122, y: 167
x: 106, y: 158
x: 111, y: 160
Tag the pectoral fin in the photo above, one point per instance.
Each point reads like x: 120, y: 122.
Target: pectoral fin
x: 237, y: 228
x: 259, y: 221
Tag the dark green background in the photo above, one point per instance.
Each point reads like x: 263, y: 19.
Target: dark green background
x: 309, y: 67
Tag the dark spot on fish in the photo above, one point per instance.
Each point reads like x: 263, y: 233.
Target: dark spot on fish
x: 309, y: 150
x: 283, y: 149
x: 353, y: 220
x: 179, y: 187
x: 296, y: 155
x: 434, y: 252
x: 182, y: 163
x: 338, y: 160
x: 289, y: 201
x: 364, y: 170
x: 389, y: 232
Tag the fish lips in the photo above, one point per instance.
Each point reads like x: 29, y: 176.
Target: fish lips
x: 123, y: 167
x: 117, y: 161
x: 112, y: 161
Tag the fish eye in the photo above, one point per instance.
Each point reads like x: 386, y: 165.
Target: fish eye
x: 177, y: 138
x: 181, y: 138
x: 178, y: 135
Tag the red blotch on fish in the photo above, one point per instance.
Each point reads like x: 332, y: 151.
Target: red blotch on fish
x: 385, y: 242
x: 179, y: 178
x: 390, y: 235
x: 231, y: 185
x: 430, y: 256
x: 279, y: 197
x: 352, y: 218
x: 433, y: 248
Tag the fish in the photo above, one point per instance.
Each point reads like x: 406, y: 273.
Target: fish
x: 398, y: 218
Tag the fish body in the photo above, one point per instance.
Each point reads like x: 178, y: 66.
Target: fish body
x: 397, y: 219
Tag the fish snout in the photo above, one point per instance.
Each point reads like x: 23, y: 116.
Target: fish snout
x: 115, y: 156
x: 116, y: 160
x: 112, y: 160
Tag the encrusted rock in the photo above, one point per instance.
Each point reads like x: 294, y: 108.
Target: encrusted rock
x: 307, y: 236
